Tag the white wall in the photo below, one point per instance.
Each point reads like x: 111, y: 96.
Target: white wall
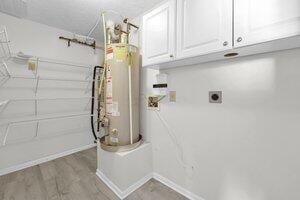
x: 246, y: 148
x: 54, y: 136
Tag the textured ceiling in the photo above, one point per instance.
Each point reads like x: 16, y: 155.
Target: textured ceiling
x: 78, y: 16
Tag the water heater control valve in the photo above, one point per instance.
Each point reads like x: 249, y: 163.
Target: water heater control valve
x: 105, y: 122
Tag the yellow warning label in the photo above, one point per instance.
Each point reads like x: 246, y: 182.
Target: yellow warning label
x: 120, y: 53
x: 110, y: 53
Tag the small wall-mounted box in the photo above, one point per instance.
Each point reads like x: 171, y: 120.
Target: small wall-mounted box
x: 161, y: 86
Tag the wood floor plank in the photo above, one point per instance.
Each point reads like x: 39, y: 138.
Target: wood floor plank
x: 48, y: 170
x: 90, y: 162
x: 15, y: 189
x: 72, y: 178
x: 52, y: 189
x: 34, y: 184
x: 155, y: 190
x: 76, y: 164
x: 105, y: 190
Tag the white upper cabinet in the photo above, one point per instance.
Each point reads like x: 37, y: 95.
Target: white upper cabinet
x: 203, y: 26
x: 159, y: 34
x: 258, y: 21
x: 208, y: 30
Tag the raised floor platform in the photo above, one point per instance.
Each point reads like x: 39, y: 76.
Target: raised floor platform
x: 124, y: 172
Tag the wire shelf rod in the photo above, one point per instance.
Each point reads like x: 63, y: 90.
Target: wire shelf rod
x: 47, y: 118
x: 52, y: 98
x: 4, y: 104
x: 5, y: 41
x: 6, y: 69
x: 50, y: 61
x: 38, y: 121
x: 47, y: 79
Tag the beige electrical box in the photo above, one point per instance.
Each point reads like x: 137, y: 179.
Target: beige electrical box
x: 31, y: 65
x: 172, y: 95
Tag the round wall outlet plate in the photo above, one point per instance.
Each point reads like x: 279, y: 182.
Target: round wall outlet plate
x: 215, y: 96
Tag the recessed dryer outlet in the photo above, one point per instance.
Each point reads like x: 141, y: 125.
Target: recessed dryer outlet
x: 215, y: 96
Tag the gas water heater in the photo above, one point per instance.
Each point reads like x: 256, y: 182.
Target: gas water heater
x: 118, y: 89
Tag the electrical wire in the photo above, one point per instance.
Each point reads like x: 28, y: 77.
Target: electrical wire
x: 94, y: 27
x: 99, y: 19
x: 172, y: 135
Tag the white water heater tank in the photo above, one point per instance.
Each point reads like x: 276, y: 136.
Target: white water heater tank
x: 122, y: 97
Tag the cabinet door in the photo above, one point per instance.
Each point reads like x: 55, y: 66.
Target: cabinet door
x: 204, y: 26
x: 158, y: 34
x: 259, y: 21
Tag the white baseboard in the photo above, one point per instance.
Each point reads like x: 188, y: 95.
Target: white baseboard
x: 176, y: 187
x: 43, y: 160
x: 123, y: 194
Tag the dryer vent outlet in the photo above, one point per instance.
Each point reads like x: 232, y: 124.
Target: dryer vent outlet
x: 215, y: 96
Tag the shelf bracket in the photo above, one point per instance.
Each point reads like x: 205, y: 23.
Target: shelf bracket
x: 6, y: 69
x: 4, y: 104
x: 6, y: 135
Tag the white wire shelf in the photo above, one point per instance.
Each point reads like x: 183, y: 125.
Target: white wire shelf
x: 6, y: 75
x: 4, y: 104
x: 7, y: 57
x: 40, y: 78
x: 20, y: 56
x: 4, y: 69
x: 5, y: 51
x: 47, y: 98
x: 38, y: 120
x: 43, y: 137
x: 43, y: 117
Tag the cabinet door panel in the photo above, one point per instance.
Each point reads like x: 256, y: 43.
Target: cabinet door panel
x: 258, y: 21
x: 158, y: 34
x: 203, y: 26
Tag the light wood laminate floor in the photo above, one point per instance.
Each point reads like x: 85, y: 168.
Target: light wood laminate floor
x: 72, y: 178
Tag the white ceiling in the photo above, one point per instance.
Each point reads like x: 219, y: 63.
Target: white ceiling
x: 76, y: 16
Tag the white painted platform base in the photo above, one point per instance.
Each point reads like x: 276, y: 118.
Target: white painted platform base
x: 126, y: 171
x: 122, y: 194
